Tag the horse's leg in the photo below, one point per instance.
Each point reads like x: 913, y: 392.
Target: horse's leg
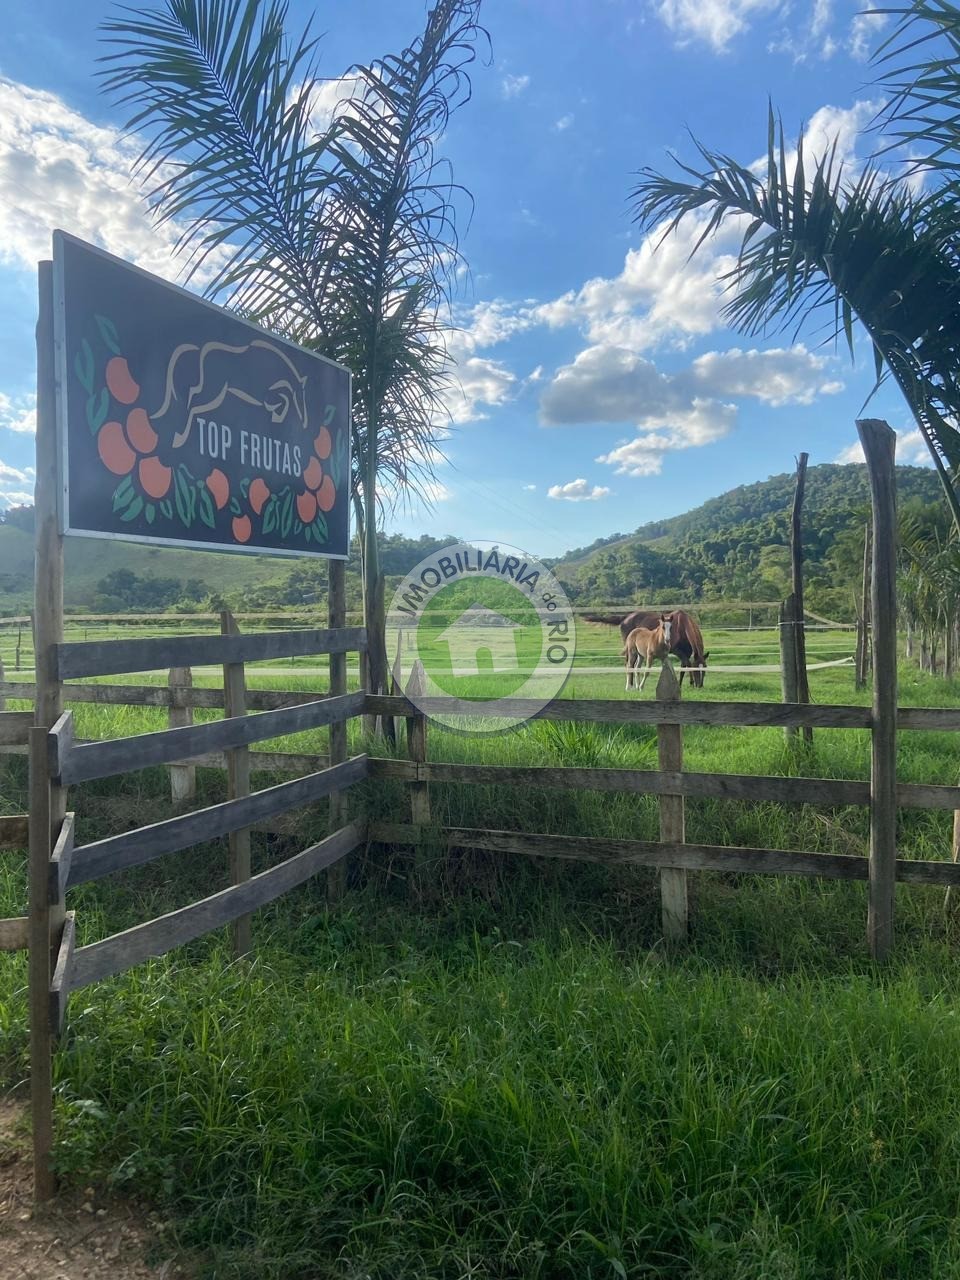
x: 643, y: 678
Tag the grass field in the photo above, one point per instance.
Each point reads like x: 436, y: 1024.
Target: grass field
x: 496, y: 1071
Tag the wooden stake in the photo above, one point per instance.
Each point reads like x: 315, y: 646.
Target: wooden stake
x: 788, y: 660
x: 879, y: 443
x: 796, y: 560
x: 40, y: 968
x: 336, y: 618
x: 238, y: 781
x: 183, y: 777
x: 673, y: 881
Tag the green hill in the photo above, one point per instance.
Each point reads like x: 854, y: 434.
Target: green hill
x: 90, y: 560
x: 736, y: 546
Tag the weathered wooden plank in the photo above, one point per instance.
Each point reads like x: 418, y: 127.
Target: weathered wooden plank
x: 336, y: 617
x: 60, y: 741
x: 14, y: 831
x: 830, y: 866
x: 183, y: 777
x: 122, y: 755
x: 615, y: 711
x: 149, y: 695
x: 879, y: 444
x: 238, y: 782
x: 133, y: 848
x: 39, y: 967
x: 15, y: 728
x: 156, y: 937
x: 719, y: 786
x: 60, y: 982
x: 111, y: 657
x: 60, y: 860
x: 944, y: 719
x: 834, y: 792
x: 674, y: 906
x: 15, y: 933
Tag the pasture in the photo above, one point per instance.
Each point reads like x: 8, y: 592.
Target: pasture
x: 488, y: 1067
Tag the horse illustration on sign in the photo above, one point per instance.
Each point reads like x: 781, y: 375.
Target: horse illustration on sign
x: 216, y: 371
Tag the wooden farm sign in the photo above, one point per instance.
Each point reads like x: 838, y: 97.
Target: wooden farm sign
x: 180, y: 423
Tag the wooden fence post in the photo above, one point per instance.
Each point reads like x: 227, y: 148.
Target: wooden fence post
x: 238, y: 781
x: 40, y: 969
x: 674, y: 907
x: 183, y: 777
x: 879, y: 444
x: 863, y: 621
x: 788, y: 660
x: 336, y: 619
x: 419, y: 790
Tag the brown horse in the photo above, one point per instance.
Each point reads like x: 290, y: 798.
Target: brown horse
x: 686, y: 638
x: 643, y: 646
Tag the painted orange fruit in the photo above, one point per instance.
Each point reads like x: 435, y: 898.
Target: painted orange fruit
x: 140, y: 433
x: 120, y: 382
x: 259, y: 493
x: 326, y: 495
x: 115, y: 454
x: 323, y: 443
x: 313, y: 474
x: 219, y: 486
x: 307, y: 507
x: 154, y: 477
x: 242, y: 528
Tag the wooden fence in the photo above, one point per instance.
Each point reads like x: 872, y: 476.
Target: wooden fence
x: 58, y: 864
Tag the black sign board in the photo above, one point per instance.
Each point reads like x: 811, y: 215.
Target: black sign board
x: 182, y: 424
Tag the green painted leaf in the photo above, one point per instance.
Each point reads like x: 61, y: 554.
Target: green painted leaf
x: 134, y: 509
x: 181, y: 494
x: 150, y: 511
x: 245, y: 486
x: 270, y: 516
x: 207, y: 513
x: 97, y: 409
x: 166, y: 508
x: 235, y: 506
x: 309, y: 533
x: 83, y: 366
x: 286, y: 516
x: 108, y: 332
x: 121, y: 497
x: 320, y: 529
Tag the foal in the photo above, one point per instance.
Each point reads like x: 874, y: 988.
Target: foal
x: 646, y: 644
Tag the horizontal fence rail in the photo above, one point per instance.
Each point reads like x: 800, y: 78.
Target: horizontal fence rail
x: 134, y: 848
x: 111, y: 657
x: 717, y: 786
x: 615, y: 711
x: 654, y: 853
x: 156, y: 937
x: 72, y: 763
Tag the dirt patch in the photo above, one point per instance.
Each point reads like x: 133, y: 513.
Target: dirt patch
x: 81, y: 1235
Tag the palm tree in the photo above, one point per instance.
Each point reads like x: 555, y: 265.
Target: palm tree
x: 862, y: 246
x: 340, y: 235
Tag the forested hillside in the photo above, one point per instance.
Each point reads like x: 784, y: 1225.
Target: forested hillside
x: 736, y: 546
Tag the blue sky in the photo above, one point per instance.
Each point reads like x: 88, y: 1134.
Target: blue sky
x: 600, y: 387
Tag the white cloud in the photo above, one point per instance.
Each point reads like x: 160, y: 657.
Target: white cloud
x: 57, y: 169
x: 865, y: 29
x: 577, y: 491
x: 15, y: 485
x: 8, y: 473
x: 529, y: 488
x: 477, y: 382
x: 563, y: 123
x: 512, y: 86
x: 782, y: 375
x: 18, y: 414
x: 911, y: 451
x: 715, y: 22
